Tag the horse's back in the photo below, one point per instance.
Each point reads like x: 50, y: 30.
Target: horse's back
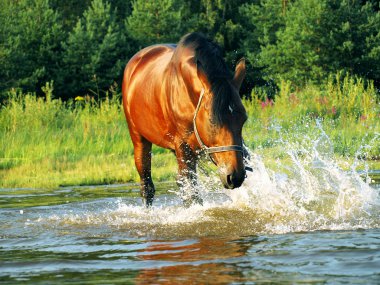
x: 145, y: 61
x: 143, y: 83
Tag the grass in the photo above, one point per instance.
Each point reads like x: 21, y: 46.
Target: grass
x: 46, y: 143
x: 346, y: 109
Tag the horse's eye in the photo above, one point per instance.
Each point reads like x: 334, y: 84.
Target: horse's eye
x: 230, y: 108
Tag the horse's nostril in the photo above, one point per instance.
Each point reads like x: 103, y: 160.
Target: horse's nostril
x: 234, y: 180
x: 229, y: 180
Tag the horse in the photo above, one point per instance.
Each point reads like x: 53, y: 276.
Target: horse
x: 183, y: 97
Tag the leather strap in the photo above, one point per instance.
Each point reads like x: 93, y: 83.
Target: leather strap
x: 213, y: 149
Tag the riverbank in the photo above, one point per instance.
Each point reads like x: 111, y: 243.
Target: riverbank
x: 46, y: 143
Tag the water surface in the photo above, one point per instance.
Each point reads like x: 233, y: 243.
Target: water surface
x: 313, y: 223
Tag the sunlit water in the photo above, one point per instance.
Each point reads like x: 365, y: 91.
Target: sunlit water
x: 312, y: 223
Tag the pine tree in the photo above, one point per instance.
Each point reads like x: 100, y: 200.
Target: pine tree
x: 153, y: 22
x: 219, y: 20
x: 260, y: 21
x: 320, y: 37
x: 356, y: 41
x: 70, y: 11
x: 294, y: 54
x: 30, y: 44
x: 95, y: 52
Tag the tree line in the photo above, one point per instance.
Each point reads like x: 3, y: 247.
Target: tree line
x: 83, y: 46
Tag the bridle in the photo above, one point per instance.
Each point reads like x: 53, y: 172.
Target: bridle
x: 212, y: 149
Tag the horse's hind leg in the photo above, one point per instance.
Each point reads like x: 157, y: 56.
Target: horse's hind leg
x: 143, y: 155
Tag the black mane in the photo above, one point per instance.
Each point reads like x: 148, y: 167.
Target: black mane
x: 208, y: 56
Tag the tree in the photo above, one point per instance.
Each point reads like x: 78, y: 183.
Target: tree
x: 295, y: 54
x: 30, y: 44
x: 221, y: 21
x: 153, y: 22
x: 123, y: 9
x: 320, y: 37
x: 95, y: 52
x: 261, y: 21
x: 357, y: 40
x: 70, y: 11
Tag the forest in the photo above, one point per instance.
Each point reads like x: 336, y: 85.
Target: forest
x: 83, y: 46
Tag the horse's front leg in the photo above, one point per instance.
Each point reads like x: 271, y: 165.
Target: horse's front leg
x: 143, y: 156
x: 187, y: 176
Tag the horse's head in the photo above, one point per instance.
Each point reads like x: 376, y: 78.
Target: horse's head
x: 218, y: 122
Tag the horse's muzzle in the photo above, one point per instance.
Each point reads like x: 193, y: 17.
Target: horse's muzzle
x: 233, y: 180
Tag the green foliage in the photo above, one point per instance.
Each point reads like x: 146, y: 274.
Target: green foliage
x: 216, y: 19
x: 260, y: 23
x: 30, y: 36
x: 318, y: 38
x: 221, y: 21
x: 156, y: 21
x: 70, y: 11
x: 295, y: 53
x: 83, y: 46
x: 94, y: 53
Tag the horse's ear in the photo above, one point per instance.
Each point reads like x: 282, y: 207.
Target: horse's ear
x: 240, y: 72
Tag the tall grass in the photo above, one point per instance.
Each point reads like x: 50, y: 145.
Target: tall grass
x: 45, y: 142
x: 346, y: 108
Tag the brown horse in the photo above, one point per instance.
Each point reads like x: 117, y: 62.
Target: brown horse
x: 184, y: 98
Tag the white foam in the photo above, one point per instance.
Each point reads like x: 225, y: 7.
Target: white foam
x: 314, y: 194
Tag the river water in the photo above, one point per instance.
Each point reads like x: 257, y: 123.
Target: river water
x: 312, y: 223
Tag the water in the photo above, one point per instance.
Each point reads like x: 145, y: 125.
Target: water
x: 310, y: 223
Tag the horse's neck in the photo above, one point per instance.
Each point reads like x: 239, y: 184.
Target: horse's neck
x: 188, y: 82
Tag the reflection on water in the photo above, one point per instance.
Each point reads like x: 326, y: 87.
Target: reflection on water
x: 310, y: 223
x: 204, y: 259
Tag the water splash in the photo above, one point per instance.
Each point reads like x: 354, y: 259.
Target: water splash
x: 312, y: 193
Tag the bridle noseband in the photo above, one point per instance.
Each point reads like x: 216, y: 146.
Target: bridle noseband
x: 212, y: 149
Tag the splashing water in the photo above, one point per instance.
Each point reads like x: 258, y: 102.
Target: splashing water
x: 313, y: 193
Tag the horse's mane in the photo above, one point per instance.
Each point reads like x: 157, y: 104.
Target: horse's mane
x: 208, y: 56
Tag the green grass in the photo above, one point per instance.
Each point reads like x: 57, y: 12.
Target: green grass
x: 346, y: 109
x: 46, y: 143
